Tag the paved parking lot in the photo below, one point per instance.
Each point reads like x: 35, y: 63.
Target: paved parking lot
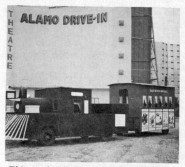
x: 153, y: 147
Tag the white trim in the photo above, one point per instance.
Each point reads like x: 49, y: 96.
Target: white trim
x: 120, y: 120
x: 86, y: 107
x: 79, y: 94
x: 32, y: 109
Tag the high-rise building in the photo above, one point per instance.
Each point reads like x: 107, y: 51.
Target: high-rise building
x: 168, y: 65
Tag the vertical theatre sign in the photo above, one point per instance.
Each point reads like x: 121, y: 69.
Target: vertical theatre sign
x: 10, y: 39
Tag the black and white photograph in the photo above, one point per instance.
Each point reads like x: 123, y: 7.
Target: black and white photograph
x: 92, y: 84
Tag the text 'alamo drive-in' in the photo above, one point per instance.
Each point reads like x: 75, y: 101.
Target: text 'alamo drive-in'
x: 72, y: 20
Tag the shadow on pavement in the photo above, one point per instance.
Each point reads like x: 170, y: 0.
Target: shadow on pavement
x: 73, y: 141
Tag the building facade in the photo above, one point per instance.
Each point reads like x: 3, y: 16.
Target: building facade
x: 168, y: 65
x: 83, y: 47
x: 141, y: 44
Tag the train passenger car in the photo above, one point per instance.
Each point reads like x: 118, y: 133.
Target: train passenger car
x: 59, y: 112
x: 151, y: 108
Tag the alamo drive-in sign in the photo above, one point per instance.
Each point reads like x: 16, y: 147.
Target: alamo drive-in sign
x: 69, y: 46
x: 49, y: 20
x: 73, y: 20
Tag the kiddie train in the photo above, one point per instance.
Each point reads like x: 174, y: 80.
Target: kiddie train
x: 68, y: 112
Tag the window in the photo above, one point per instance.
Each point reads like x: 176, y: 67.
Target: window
x: 123, y: 96
x: 149, y: 101
x: 23, y: 93
x: 160, y: 101
x: 121, y: 55
x: 77, y: 106
x: 156, y: 101
x: 10, y: 94
x: 95, y: 100
x: 166, y: 101
x: 121, y: 22
x: 144, y: 101
x: 121, y: 72
x: 121, y: 39
x: 170, y: 102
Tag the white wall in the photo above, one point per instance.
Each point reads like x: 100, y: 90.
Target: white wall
x: 69, y: 55
x: 100, y: 96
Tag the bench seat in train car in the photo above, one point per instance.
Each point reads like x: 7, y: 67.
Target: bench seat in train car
x: 151, y: 107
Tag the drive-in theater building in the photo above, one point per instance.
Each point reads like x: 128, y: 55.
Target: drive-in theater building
x: 85, y: 47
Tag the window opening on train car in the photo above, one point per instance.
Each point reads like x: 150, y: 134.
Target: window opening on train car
x: 170, y: 102
x: 156, y: 101
x: 160, y: 101
x: 149, y: 101
x: 144, y: 101
x: 166, y: 101
x: 123, y: 96
x: 77, y: 106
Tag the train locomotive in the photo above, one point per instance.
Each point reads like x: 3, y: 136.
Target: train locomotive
x: 69, y: 112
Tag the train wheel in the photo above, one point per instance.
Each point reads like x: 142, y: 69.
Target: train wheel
x: 165, y: 132
x: 47, y: 137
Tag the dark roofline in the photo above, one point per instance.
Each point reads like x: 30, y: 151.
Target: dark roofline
x: 18, y: 87
x: 64, y: 88
x: 41, y: 88
x: 140, y: 84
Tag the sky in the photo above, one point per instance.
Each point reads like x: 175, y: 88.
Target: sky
x: 166, y: 23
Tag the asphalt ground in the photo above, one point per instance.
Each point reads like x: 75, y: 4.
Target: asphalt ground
x: 146, y: 148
